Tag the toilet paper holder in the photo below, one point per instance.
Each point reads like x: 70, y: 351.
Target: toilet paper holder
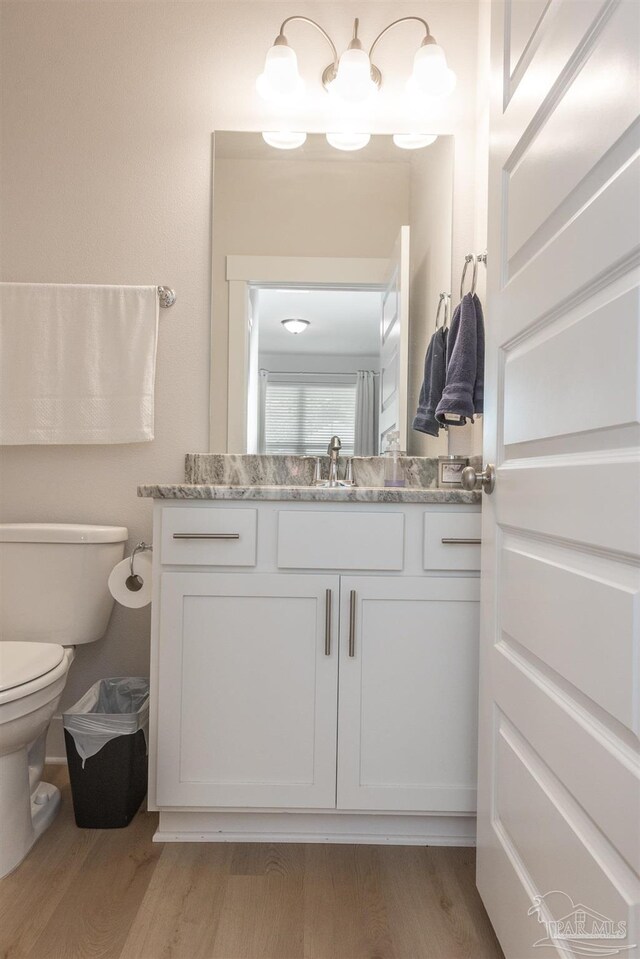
x: 134, y: 582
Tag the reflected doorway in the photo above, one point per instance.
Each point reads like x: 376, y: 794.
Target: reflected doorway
x: 314, y: 369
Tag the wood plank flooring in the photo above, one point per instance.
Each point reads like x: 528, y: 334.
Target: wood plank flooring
x: 113, y: 894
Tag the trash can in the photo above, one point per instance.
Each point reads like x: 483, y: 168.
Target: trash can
x: 107, y: 751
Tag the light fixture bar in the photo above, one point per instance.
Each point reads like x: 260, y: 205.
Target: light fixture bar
x: 394, y: 24
x: 312, y: 23
x: 352, y: 77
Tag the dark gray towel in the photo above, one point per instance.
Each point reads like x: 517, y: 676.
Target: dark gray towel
x: 478, y: 389
x: 463, y: 394
x: 432, y: 385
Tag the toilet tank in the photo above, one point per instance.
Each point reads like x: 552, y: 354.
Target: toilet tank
x: 53, y: 581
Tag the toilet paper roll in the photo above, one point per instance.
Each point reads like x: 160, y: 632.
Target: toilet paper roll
x: 118, y: 581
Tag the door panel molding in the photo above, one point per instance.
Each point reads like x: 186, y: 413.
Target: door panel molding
x: 557, y: 825
x: 547, y: 596
x: 513, y: 75
x: 559, y: 751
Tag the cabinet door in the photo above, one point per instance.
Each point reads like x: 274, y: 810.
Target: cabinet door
x: 247, y: 690
x: 408, y: 693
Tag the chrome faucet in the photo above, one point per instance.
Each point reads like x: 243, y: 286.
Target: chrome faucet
x: 333, y: 451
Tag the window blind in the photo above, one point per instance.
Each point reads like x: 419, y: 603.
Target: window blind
x: 301, y: 417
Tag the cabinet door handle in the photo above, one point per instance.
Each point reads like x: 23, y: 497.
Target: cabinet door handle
x: 327, y: 622
x: 352, y: 623
x: 206, y: 535
x: 452, y: 540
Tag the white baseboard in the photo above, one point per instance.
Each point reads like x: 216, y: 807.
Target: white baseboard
x: 361, y: 828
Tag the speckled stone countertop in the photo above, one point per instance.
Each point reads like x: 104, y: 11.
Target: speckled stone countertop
x: 310, y: 494
x: 222, y: 476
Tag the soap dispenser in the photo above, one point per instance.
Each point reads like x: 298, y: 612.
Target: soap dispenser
x: 393, y: 468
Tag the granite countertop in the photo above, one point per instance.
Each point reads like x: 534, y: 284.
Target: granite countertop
x: 309, y: 494
x: 239, y: 476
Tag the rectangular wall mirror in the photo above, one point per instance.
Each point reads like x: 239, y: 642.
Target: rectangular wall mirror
x: 327, y: 272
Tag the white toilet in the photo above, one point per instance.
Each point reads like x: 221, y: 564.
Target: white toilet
x: 53, y: 597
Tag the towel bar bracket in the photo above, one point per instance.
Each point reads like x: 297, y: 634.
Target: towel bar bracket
x: 166, y: 297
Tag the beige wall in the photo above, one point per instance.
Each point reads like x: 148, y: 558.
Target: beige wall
x: 296, y: 207
x: 107, y: 114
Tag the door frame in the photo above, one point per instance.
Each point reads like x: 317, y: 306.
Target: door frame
x: 244, y: 271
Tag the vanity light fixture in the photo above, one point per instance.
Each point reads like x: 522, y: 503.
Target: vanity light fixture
x: 295, y: 324
x: 353, y: 77
x: 348, y: 141
x: 284, y: 139
x: 414, y: 141
x: 280, y: 81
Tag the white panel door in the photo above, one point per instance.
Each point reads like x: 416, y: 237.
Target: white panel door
x: 248, y: 682
x: 559, y: 765
x: 394, y: 343
x: 408, y: 693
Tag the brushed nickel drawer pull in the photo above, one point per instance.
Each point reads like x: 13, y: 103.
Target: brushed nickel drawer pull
x: 327, y: 623
x: 352, y: 623
x: 460, y: 542
x: 206, y: 535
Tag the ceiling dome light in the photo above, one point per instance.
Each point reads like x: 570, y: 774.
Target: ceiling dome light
x: 284, y: 139
x: 295, y: 325
x: 348, y: 141
x: 414, y: 141
x: 280, y: 81
x: 431, y: 76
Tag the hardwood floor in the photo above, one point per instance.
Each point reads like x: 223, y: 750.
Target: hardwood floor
x: 113, y: 894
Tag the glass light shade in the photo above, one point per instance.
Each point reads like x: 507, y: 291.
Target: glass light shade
x: 348, y: 141
x: 431, y: 76
x: 414, y: 141
x: 353, y: 82
x: 280, y: 80
x: 284, y: 139
x: 295, y: 325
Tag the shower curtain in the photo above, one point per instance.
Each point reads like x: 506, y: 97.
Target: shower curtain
x: 366, y: 434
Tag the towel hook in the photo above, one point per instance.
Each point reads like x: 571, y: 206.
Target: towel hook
x: 444, y: 298
x: 469, y: 258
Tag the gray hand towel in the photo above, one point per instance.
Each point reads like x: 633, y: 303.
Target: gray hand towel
x: 432, y: 385
x: 478, y: 389
x: 463, y: 394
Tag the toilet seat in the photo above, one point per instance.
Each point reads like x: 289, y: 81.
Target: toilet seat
x: 22, y: 663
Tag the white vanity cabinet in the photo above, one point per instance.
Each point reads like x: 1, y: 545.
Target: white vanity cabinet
x: 248, y: 690
x: 339, y: 681
x: 408, y: 677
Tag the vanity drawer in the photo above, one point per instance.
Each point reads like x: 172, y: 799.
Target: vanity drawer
x: 209, y: 537
x: 340, y: 540
x: 446, y: 540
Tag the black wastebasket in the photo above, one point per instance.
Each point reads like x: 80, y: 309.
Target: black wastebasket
x: 106, y: 739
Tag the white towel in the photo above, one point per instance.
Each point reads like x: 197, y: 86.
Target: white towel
x: 77, y: 363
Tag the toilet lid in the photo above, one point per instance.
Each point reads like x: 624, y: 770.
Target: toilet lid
x: 22, y: 662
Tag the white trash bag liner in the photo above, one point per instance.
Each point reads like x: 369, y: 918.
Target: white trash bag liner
x: 110, y: 708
